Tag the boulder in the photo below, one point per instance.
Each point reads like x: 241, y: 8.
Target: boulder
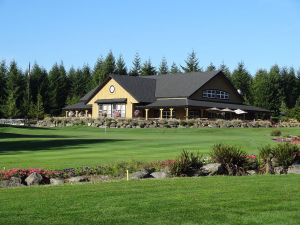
x: 99, y: 178
x: 295, y: 168
x: 278, y: 170
x: 34, y: 179
x: 212, y: 169
x: 140, y: 175
x: 78, y: 179
x: 251, y: 172
x: 12, y: 182
x: 159, y: 175
x: 56, y: 181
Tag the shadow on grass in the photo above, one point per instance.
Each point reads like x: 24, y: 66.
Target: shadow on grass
x: 4, y: 135
x: 11, y: 147
x: 25, y: 127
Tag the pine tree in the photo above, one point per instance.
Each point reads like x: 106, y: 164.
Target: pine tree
x: 136, y: 68
x: 11, y: 109
x: 289, y: 87
x: 260, y: 92
x: 16, y: 87
x: 242, y: 80
x: 121, y: 66
x: 87, y: 79
x: 163, y: 67
x: 109, y: 66
x: 191, y: 63
x: 39, y: 108
x: 211, y: 67
x: 225, y: 70
x: 174, y: 68
x: 274, y: 90
x: 97, y: 72
x: 3, y: 87
x: 148, y: 68
x: 59, y: 88
x: 72, y: 77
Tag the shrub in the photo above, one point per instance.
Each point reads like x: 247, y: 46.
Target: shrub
x: 266, y: 154
x: 231, y: 157
x: 285, y: 155
x: 251, y: 162
x: 186, y: 164
x: 276, y: 133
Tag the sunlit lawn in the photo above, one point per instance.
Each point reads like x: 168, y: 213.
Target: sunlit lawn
x: 77, y: 146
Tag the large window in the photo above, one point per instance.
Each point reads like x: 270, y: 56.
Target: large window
x: 112, y: 110
x: 215, y: 94
x: 167, y: 114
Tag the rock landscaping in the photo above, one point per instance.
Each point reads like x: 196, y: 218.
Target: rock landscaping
x: 155, y: 123
x: 223, y: 160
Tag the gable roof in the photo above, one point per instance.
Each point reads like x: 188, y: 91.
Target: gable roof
x: 181, y: 85
x: 143, y: 90
x: 147, y: 88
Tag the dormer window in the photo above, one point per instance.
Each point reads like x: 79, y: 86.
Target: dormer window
x: 215, y: 94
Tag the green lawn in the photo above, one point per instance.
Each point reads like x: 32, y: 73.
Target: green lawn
x: 252, y: 200
x: 58, y: 148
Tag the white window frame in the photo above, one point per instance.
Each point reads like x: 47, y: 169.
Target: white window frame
x: 215, y: 94
x: 111, y: 109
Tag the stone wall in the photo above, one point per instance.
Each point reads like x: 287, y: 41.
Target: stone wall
x: 173, y: 123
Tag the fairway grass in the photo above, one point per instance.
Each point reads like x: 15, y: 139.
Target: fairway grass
x: 57, y: 148
x: 204, y: 200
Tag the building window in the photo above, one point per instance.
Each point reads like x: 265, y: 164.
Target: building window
x: 112, y: 110
x: 167, y: 114
x: 215, y: 94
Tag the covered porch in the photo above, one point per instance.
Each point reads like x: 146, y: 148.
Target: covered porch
x: 192, y: 109
x: 80, y: 110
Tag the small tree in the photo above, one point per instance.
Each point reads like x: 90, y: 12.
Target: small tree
x: 148, y: 68
x: 136, y: 68
x: 11, y: 110
x: 191, y: 63
x: 39, y: 107
x: 121, y: 66
x: 211, y: 67
x: 174, y: 68
x: 163, y: 67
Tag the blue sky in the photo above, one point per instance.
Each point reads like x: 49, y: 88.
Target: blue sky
x: 258, y: 32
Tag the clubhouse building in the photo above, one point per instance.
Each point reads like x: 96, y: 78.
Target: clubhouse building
x: 180, y: 96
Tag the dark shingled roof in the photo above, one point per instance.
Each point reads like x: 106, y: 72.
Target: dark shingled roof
x: 205, y: 104
x: 79, y: 105
x: 143, y: 90
x: 181, y: 85
x: 87, y: 97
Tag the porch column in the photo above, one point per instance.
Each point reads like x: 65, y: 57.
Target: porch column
x: 76, y: 113
x: 201, y: 113
x: 186, y: 113
x: 67, y: 114
x: 146, y: 114
x: 86, y: 113
x: 171, y: 113
x: 161, y: 113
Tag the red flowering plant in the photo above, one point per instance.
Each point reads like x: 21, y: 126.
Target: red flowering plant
x: 23, y: 173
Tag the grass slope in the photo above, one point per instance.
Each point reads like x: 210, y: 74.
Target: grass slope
x: 76, y: 146
x: 207, y: 200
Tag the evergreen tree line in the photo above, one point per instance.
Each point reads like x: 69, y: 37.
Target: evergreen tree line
x: 37, y: 92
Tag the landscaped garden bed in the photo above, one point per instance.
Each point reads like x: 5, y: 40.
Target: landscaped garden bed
x: 165, y: 123
x: 223, y: 160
